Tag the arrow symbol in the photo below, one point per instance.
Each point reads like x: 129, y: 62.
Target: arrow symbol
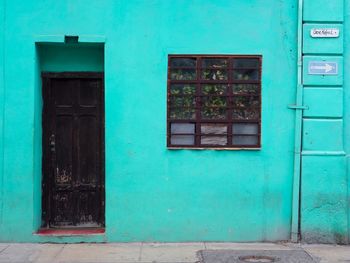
x: 323, y: 68
x: 327, y: 68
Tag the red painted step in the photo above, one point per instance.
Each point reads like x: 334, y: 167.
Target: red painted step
x: 70, y: 232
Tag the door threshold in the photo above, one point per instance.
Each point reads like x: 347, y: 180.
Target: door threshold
x: 70, y: 231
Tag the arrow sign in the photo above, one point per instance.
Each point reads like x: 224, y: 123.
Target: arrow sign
x: 326, y: 68
x: 323, y: 68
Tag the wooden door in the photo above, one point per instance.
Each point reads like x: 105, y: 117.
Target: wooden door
x: 73, y: 150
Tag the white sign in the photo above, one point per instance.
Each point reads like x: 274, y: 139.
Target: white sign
x: 324, y: 32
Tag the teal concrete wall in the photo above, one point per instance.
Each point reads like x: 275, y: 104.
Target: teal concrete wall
x: 325, y: 150
x: 152, y: 193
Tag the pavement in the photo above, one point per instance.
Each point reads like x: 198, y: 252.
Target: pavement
x: 150, y: 252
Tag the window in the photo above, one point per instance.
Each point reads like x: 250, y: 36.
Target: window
x: 214, y: 101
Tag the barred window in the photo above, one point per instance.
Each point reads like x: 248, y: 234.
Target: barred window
x: 214, y: 101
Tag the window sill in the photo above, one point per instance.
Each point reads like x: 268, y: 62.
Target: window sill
x: 215, y: 149
x: 70, y: 232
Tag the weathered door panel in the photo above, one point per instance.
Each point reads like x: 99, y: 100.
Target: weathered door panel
x: 73, y: 145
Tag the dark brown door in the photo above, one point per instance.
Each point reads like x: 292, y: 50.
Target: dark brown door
x: 73, y: 147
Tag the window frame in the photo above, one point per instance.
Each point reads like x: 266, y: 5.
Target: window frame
x: 229, y: 120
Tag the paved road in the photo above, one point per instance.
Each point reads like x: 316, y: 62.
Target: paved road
x: 149, y: 252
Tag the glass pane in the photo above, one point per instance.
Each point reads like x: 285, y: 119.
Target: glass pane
x: 214, y: 74
x: 213, y: 113
x: 182, y: 89
x: 183, y: 62
x: 213, y: 140
x: 182, y: 128
x: 245, y: 140
x: 213, y: 89
x: 245, y: 89
x: 185, y: 101
x: 246, y: 74
x: 214, y: 62
x: 246, y: 63
x: 245, y: 101
x: 182, y: 139
x: 214, y: 101
x: 214, y: 128
x: 182, y: 114
x: 183, y: 74
x: 246, y: 114
x: 245, y: 128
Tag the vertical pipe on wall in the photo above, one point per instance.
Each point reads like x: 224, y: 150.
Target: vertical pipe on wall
x: 2, y: 101
x: 295, y: 228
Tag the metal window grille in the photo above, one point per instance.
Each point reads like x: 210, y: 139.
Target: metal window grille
x: 214, y: 101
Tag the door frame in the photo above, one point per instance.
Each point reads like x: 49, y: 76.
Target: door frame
x: 46, y: 155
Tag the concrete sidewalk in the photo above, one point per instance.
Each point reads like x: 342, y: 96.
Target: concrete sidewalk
x: 149, y: 252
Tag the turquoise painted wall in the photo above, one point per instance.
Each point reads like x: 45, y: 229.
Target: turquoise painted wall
x: 152, y: 193
x: 325, y: 151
